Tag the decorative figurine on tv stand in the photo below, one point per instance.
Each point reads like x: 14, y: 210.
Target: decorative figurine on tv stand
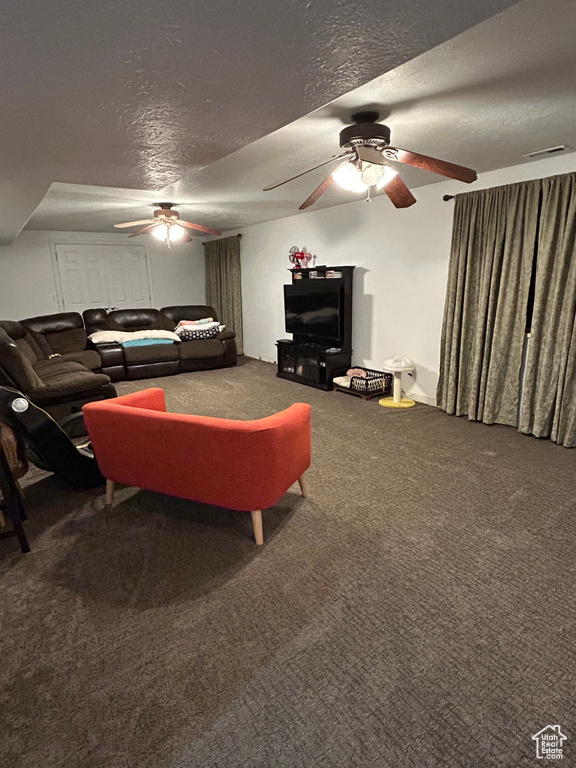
x: 301, y: 258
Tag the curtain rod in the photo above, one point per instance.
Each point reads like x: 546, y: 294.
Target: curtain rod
x: 238, y: 235
x: 448, y: 197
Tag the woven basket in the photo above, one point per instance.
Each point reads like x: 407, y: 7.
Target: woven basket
x: 13, y: 452
x: 374, y: 384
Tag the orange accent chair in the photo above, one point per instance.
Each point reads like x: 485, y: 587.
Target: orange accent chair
x: 242, y: 465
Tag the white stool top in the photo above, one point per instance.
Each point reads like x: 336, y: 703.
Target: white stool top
x: 398, y: 364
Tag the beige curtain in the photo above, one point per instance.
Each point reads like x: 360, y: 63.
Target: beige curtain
x: 223, y: 283
x: 493, y: 245
x: 549, y: 399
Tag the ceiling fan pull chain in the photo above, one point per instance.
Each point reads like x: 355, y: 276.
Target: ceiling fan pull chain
x: 368, y: 196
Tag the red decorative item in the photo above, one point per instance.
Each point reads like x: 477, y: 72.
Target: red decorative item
x: 299, y: 258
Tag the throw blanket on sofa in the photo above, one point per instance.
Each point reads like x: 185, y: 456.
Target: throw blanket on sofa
x: 100, y: 337
x: 203, y: 321
x: 145, y: 342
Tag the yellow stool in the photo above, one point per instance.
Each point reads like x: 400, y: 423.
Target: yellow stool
x: 397, y: 401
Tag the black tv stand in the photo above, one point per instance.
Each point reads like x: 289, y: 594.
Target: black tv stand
x: 316, y: 361
x: 311, y: 365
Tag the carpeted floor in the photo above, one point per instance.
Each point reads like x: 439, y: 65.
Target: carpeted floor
x: 416, y: 610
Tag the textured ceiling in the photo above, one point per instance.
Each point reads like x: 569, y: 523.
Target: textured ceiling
x: 138, y: 94
x: 503, y: 88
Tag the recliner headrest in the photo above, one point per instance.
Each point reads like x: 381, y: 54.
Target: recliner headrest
x: 13, y: 329
x: 96, y: 320
x: 186, y: 312
x: 135, y: 319
x: 63, y: 321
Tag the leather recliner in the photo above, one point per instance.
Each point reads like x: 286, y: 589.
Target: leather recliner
x: 204, y: 353
x: 63, y: 334
x: 121, y: 362
x: 140, y: 362
x: 49, y: 445
x: 57, y: 385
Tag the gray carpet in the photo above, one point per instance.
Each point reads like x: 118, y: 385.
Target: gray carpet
x: 416, y: 610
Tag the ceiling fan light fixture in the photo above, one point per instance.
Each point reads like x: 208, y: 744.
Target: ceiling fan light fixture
x: 176, y: 233
x: 388, y: 175
x: 171, y: 233
x: 349, y: 178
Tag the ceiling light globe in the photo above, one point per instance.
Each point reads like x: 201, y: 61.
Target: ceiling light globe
x: 160, y: 232
x: 372, y: 174
x: 389, y: 174
x: 176, y: 233
x: 349, y: 178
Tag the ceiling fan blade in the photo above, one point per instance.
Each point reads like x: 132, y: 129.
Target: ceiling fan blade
x: 144, y: 229
x: 133, y: 223
x: 199, y: 227
x: 452, y: 171
x: 399, y: 194
x: 321, y: 188
x: 371, y: 155
x: 279, y: 184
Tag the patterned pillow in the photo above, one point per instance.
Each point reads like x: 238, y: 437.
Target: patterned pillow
x: 198, y: 333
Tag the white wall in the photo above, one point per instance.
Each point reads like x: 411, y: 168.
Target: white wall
x: 401, y: 259
x: 27, y: 285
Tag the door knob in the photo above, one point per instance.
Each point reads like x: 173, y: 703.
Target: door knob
x: 112, y: 307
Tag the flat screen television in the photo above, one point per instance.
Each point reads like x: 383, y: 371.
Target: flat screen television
x: 312, y: 308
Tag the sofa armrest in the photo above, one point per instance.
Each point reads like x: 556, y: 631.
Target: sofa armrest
x: 112, y: 356
x: 230, y: 351
x: 226, y: 335
x: 111, y: 353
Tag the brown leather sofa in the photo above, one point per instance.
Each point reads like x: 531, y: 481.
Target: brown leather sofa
x: 59, y: 384
x: 63, y: 334
x: 139, y: 362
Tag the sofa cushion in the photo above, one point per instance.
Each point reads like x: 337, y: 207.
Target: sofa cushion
x: 56, y: 366
x: 88, y: 357
x: 60, y: 378
x: 44, y: 349
x: 151, y: 353
x: 16, y: 365
x: 73, y: 340
x: 190, y: 350
x: 29, y: 349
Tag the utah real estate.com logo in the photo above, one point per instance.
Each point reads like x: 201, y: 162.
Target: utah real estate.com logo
x: 549, y: 743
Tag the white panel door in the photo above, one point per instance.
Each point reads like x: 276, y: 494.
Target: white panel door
x: 82, y: 274
x: 109, y: 276
x: 127, y: 274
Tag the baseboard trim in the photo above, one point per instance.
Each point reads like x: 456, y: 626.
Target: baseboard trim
x: 424, y: 399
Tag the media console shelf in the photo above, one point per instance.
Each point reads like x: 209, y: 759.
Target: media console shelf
x: 315, y: 367
x: 308, y: 359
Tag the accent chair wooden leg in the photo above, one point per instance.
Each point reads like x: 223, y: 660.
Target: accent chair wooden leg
x: 303, y: 486
x: 257, y: 525
x: 109, y: 492
x: 2, y: 520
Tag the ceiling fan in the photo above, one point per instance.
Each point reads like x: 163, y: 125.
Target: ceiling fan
x: 167, y: 225
x: 365, y: 164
